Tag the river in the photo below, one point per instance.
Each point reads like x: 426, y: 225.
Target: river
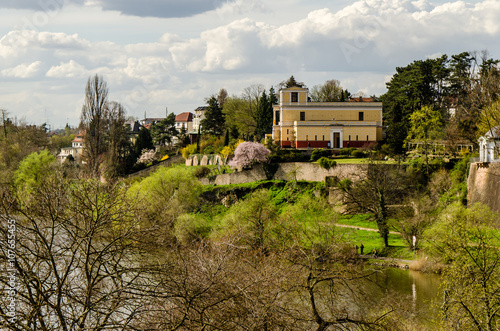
x: 419, y: 291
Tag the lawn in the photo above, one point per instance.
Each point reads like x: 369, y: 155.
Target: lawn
x: 361, y: 220
x: 372, y: 242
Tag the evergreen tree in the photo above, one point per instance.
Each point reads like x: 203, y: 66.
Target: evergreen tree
x: 165, y: 130
x: 226, y: 138
x: 214, y: 121
x: 262, y: 117
x: 198, y: 137
x: 144, y: 141
x: 421, y: 83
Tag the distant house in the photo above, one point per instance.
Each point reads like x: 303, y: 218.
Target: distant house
x: 199, y: 115
x: 75, y: 150
x: 147, y: 122
x: 299, y: 123
x: 184, y: 120
x: 488, y: 146
x: 135, y: 127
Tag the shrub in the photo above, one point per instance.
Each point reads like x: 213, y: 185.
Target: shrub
x: 357, y: 153
x: 270, y: 170
x: 248, y: 153
x: 188, y: 150
x: 190, y: 228
x: 319, y: 153
x: 326, y: 163
x: 347, y: 151
x: 201, y: 172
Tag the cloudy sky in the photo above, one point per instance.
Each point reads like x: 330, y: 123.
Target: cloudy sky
x: 174, y: 53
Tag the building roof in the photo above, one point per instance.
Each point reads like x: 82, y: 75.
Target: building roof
x: 493, y: 133
x: 184, y: 117
x: 358, y: 99
x: 78, y: 138
x: 202, y: 108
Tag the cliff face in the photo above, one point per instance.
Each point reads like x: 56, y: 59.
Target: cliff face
x: 483, y: 185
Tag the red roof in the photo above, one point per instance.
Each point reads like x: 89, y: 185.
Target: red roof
x: 78, y: 138
x: 184, y: 117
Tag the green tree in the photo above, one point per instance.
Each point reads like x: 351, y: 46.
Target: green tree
x: 163, y: 132
x: 144, y: 141
x: 425, y: 125
x: 466, y: 240
x: 421, y: 83
x: 214, y: 121
x: 164, y: 196
x: 31, y: 172
x: 290, y: 82
x: 252, y: 219
x: 21, y: 141
x: 226, y: 138
x: 264, y: 116
x: 239, y: 116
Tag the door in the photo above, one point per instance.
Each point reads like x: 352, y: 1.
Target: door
x: 336, y: 140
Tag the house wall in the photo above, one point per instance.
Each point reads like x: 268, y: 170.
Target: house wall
x: 320, y: 119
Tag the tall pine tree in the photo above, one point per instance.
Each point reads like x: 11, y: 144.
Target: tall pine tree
x: 214, y: 121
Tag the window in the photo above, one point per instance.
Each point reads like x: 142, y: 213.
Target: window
x: 277, y: 116
x: 307, y: 137
x: 315, y: 138
x: 349, y: 137
x: 295, y: 96
x: 356, y: 137
x: 302, y: 115
x: 323, y: 137
x: 287, y: 131
x: 367, y: 138
x: 361, y: 116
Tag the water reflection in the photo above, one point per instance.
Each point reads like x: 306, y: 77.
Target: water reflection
x: 418, y: 290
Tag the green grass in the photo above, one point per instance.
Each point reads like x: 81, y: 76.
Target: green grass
x: 372, y: 241
x: 361, y: 220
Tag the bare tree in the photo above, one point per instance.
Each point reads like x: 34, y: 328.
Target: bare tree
x: 93, y: 122
x: 119, y: 145
x: 330, y: 91
x: 74, y: 262
x: 383, y: 186
x: 222, y: 97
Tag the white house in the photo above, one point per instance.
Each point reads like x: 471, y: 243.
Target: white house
x: 488, y: 146
x: 75, y: 150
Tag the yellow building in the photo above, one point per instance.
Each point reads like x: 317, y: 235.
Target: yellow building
x: 302, y: 124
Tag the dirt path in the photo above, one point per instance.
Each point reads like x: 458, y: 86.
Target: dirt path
x: 360, y: 228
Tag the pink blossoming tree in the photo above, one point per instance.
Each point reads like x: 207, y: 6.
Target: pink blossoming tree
x: 248, y: 153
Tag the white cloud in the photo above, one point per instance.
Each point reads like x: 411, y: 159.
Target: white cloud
x: 23, y: 70
x: 182, y: 61
x: 68, y: 70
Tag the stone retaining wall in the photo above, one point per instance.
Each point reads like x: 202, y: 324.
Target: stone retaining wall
x: 483, y: 184
x: 291, y: 171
